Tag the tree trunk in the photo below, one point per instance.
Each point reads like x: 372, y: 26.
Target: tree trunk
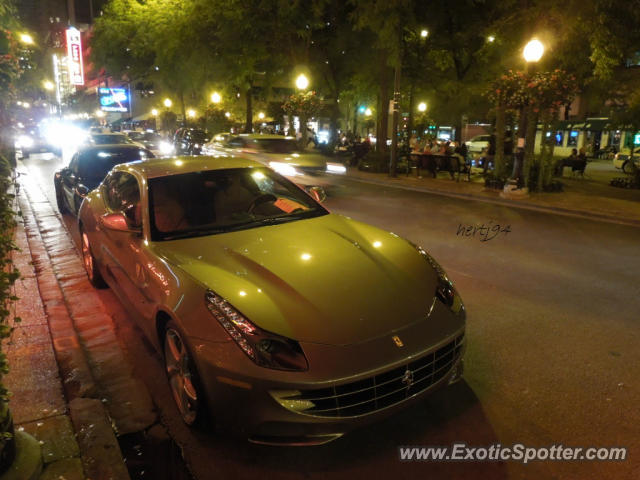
x: 303, y: 131
x: 411, y: 114
x: 248, y: 124
x: 498, y: 159
x: 382, y: 124
x: 529, y: 141
x: 355, y: 120
x: 333, y: 125
x: 182, y: 106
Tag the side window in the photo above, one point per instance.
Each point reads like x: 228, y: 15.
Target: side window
x: 111, y: 190
x: 236, y: 142
x: 123, y: 195
x: 73, y: 164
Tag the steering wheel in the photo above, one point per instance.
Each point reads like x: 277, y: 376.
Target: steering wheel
x: 260, y: 199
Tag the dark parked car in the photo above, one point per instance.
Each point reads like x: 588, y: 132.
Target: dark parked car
x: 87, y: 169
x: 108, y: 139
x: 189, y: 141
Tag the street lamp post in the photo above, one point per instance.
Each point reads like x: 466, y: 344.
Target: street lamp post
x: 532, y: 53
x: 302, y: 83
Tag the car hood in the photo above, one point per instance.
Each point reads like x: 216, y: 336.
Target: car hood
x: 327, y: 280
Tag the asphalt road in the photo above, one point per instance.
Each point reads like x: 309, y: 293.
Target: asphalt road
x: 553, y: 332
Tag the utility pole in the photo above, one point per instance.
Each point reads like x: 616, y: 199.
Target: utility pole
x: 396, y: 118
x: 71, y: 10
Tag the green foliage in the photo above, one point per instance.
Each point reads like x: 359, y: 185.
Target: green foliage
x: 8, y: 273
x: 303, y: 104
x: 168, y: 120
x: 215, y: 120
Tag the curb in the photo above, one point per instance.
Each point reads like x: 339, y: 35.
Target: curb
x: 99, y: 451
x: 522, y: 204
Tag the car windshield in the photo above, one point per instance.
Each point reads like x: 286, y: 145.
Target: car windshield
x: 94, y: 165
x: 219, y: 201
x: 136, y: 135
x: 109, y: 139
x: 198, y: 136
x: 278, y: 145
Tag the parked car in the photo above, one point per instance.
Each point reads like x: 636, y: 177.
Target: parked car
x: 31, y: 141
x: 87, y: 168
x: 478, y: 143
x: 108, y: 139
x: 622, y: 160
x: 283, y: 154
x: 285, y: 323
x: 153, y: 141
x: 189, y: 141
x: 216, y: 143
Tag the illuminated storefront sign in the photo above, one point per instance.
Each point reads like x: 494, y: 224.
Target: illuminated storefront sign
x: 114, y: 99
x: 74, y: 55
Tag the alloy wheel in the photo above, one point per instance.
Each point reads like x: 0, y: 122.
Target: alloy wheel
x: 180, y: 374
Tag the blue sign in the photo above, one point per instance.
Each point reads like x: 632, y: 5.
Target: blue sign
x: 114, y: 99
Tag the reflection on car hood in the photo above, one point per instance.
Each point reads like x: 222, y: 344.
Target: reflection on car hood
x: 326, y: 280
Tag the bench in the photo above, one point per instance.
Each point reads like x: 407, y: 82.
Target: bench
x: 454, y: 164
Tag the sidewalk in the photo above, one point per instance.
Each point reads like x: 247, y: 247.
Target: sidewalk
x: 71, y: 385
x: 589, y: 197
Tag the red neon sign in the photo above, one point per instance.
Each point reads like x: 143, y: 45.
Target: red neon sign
x: 74, y: 55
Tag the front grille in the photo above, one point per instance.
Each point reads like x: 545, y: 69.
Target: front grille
x: 385, y: 389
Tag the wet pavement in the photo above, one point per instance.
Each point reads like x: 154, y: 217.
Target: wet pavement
x: 72, y: 386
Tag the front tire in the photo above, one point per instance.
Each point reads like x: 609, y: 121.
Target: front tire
x: 90, y: 263
x: 183, y: 378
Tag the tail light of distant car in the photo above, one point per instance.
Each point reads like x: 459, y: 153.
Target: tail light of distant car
x: 264, y: 348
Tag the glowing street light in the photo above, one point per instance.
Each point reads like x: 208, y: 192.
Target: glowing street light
x: 191, y: 113
x: 491, y: 39
x: 367, y: 112
x: 154, y: 112
x: 48, y: 85
x: 533, y: 50
x: 422, y: 107
x: 227, y: 114
x: 261, y: 116
x: 424, y: 33
x: 302, y: 82
x: 215, y: 97
x: 167, y: 102
x: 26, y: 39
x: 99, y: 113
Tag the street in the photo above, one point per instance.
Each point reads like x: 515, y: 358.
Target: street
x: 552, y: 330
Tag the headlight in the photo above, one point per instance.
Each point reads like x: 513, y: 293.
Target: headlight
x: 445, y: 291
x: 166, y: 148
x: 265, y: 349
x: 284, y: 169
x: 25, y: 141
x: 336, y: 168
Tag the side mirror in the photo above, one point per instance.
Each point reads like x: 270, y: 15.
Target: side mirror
x: 82, y: 190
x: 118, y: 222
x: 318, y: 194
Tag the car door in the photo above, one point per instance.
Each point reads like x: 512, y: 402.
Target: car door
x: 123, y: 252
x: 69, y: 181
